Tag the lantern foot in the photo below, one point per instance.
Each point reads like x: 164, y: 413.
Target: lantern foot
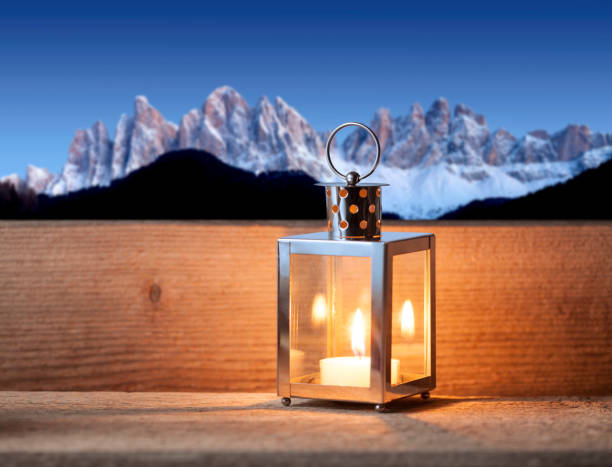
x: 425, y: 395
x: 286, y: 401
x: 381, y: 408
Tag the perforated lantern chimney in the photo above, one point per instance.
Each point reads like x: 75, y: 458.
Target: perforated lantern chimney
x: 356, y: 306
x: 353, y: 207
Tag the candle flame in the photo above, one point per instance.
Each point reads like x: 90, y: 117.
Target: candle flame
x: 319, y: 309
x: 407, y: 319
x: 358, y: 334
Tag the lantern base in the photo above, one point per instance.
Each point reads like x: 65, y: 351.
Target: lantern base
x: 286, y: 401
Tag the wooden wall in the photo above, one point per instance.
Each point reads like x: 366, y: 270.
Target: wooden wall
x: 523, y: 308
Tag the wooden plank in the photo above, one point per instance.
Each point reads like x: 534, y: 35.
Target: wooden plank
x: 522, y: 308
x: 107, y: 428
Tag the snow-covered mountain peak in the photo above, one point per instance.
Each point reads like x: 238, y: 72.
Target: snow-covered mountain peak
x: 89, y: 161
x: 499, y: 147
x: 141, y: 104
x: 382, y: 124
x: 226, y: 94
x: 37, y: 178
x: 281, y: 106
x: 264, y: 106
x: 462, y: 109
x: 360, y: 148
x: 146, y: 114
x: 438, y: 118
x: 151, y: 135
x: 541, y: 134
x: 290, y: 117
x: 416, y: 113
x: 572, y: 141
x: 14, y: 180
x: 221, y: 104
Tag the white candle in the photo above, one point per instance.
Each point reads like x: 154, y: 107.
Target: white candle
x: 351, y: 371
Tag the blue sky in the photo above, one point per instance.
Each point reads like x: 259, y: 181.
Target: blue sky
x: 524, y: 65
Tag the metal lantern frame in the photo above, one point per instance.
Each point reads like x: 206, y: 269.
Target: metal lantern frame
x: 381, y: 253
x: 354, y: 230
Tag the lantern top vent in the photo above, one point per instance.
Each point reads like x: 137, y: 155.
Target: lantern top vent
x: 354, y: 208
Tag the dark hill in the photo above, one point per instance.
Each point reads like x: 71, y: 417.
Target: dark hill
x: 586, y: 196
x: 191, y: 184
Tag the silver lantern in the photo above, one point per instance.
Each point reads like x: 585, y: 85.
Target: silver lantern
x: 356, y: 306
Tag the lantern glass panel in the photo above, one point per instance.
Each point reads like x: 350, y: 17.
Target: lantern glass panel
x: 330, y: 320
x: 410, y: 322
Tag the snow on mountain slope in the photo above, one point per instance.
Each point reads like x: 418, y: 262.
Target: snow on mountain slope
x: 14, y: 180
x: 435, y: 161
x: 37, y: 178
x: 121, y: 146
x: 453, y: 161
x: 88, y: 162
x: 151, y: 136
x: 430, y: 191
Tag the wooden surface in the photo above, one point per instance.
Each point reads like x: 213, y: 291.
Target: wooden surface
x: 107, y: 428
x: 523, y: 308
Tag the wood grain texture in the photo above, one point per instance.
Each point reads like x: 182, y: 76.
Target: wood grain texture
x: 106, y: 428
x: 522, y: 308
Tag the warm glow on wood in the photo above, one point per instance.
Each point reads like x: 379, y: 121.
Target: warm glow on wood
x: 407, y: 319
x: 358, y: 334
x: 319, y: 309
x: 222, y: 303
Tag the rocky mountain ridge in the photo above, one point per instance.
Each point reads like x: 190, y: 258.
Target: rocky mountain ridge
x: 435, y: 160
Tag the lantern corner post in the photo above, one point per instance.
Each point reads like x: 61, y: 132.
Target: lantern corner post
x: 382, y: 269
x: 432, y: 307
x: 283, y: 306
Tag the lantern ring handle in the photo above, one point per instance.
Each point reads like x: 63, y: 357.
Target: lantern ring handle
x: 352, y: 177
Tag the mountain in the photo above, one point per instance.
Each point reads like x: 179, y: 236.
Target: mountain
x: 95, y: 160
x: 585, y: 196
x: 187, y: 184
x: 438, y: 161
x: 435, y: 161
x: 267, y: 137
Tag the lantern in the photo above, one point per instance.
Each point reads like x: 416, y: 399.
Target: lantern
x: 356, y: 306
